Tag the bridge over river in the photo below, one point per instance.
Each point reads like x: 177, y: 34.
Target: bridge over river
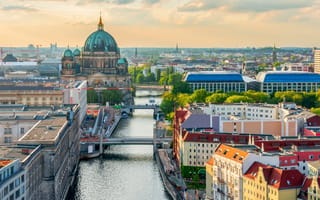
x: 125, y: 141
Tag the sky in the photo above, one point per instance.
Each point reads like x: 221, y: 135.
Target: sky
x: 162, y: 23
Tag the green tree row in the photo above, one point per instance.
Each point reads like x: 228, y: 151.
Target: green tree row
x: 166, y: 77
x: 176, y: 99
x: 111, y: 96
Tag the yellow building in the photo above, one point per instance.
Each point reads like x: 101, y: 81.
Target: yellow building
x: 31, y: 95
x: 264, y: 182
x: 209, y: 175
x: 314, y: 189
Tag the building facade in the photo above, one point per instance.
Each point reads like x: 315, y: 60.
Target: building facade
x: 12, y: 180
x: 270, y: 183
x: 216, y: 81
x: 275, y: 81
x: 317, y: 60
x: 31, y: 95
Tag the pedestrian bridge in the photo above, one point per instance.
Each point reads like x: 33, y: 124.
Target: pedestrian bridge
x: 146, y: 106
x: 125, y: 141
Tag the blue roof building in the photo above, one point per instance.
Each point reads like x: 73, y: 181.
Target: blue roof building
x: 216, y: 81
x: 297, y: 81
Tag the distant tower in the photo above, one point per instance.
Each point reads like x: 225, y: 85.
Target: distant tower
x: 317, y: 60
x: 136, y: 53
x: 177, y: 48
x: 274, y: 54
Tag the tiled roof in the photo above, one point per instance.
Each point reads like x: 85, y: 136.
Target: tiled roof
x: 201, y: 121
x: 4, y: 163
x: 180, y: 114
x: 276, y: 177
x: 211, y: 161
x: 231, y: 153
x: 213, y: 77
x: 216, y: 138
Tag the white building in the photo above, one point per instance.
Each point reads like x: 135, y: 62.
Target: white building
x: 76, y: 93
x: 317, y: 61
x: 244, y: 111
x: 14, y: 123
x: 12, y: 180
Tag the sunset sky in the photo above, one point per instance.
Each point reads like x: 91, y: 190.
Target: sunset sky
x: 162, y: 23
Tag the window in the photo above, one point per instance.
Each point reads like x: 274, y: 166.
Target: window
x: 18, y: 193
x: 21, y: 130
x: 7, y: 139
x: 311, y: 156
x: 11, y: 186
x: 7, y: 130
x: 5, y: 191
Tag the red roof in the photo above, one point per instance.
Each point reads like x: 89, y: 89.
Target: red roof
x: 216, y: 138
x: 211, y: 161
x: 4, y: 163
x: 275, y: 145
x: 276, y: 177
x: 231, y: 153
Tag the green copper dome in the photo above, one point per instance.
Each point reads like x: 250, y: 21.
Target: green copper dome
x: 76, y: 52
x: 101, y: 41
x: 68, y: 53
x: 122, y: 61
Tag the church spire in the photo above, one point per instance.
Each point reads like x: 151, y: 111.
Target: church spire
x: 100, y: 25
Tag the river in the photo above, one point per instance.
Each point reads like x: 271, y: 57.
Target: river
x: 124, y: 172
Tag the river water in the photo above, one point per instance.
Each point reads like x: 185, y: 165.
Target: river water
x: 125, y: 172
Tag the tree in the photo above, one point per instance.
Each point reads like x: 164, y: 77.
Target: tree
x: 217, y: 98
x: 258, y: 97
x: 309, y: 100
x: 199, y: 96
x: 174, y: 78
x: 92, y: 96
x: 139, y: 78
x: 112, y: 96
x: 168, y: 103
x: 181, y: 87
x: 158, y: 74
x: 182, y: 99
x: 315, y: 111
x: 238, y: 99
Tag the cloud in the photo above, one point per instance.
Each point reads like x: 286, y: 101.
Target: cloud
x: 121, y: 2
x: 19, y: 8
x: 116, y: 2
x: 151, y: 1
x: 200, y: 5
x: 245, y: 5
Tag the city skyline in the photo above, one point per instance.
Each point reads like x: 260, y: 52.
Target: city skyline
x: 162, y: 23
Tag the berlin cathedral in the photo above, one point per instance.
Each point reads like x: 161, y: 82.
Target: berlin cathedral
x: 99, y: 62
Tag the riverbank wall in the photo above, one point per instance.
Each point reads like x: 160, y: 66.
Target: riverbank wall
x: 170, y: 188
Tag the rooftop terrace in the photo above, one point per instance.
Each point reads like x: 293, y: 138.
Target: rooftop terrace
x: 44, y: 132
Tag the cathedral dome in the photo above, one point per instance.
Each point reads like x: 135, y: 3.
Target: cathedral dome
x: 76, y: 52
x: 68, y: 53
x: 101, y: 41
